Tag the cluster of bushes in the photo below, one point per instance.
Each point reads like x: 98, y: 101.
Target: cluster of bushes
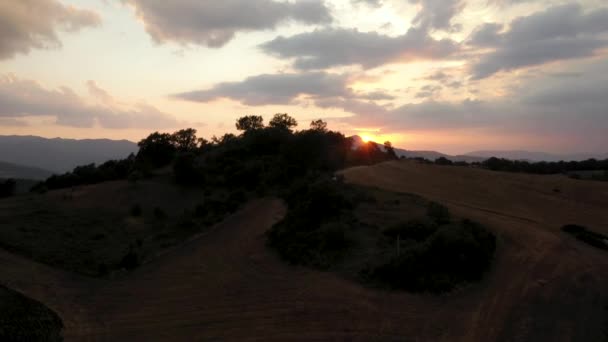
x: 315, y: 230
x: 431, y: 254
x: 434, y: 257
x: 8, y: 188
x: 499, y: 164
x: 589, y: 237
x: 89, y: 174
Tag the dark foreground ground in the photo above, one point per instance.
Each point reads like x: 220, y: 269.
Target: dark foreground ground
x: 226, y: 285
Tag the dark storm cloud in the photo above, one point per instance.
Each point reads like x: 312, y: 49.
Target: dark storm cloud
x: 34, y: 24
x: 215, y: 23
x: 274, y: 89
x: 24, y: 98
x: 558, y: 33
x: 327, y: 48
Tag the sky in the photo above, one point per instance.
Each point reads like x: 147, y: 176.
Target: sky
x: 448, y: 75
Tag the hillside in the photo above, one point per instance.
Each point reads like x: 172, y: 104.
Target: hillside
x: 227, y: 285
x: 61, y: 155
x: 8, y: 170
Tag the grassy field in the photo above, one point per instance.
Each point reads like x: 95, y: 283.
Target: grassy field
x: 91, y: 229
x: 227, y: 285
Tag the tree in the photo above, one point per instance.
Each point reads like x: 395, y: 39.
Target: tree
x: 250, y: 123
x: 390, y: 150
x: 157, y: 149
x: 185, y: 140
x: 443, y: 161
x: 283, y: 121
x: 319, y: 125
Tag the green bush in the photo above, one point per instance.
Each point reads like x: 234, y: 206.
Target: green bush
x: 418, y: 230
x: 439, y: 213
x: 454, y: 254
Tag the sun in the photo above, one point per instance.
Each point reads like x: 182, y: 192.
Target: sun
x: 366, y: 138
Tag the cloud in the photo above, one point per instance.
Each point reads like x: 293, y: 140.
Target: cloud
x: 558, y: 33
x: 25, y: 98
x: 574, y: 108
x: 370, y: 3
x: 34, y: 24
x: 437, y: 14
x: 215, y: 23
x: 328, y: 48
x: 274, y: 89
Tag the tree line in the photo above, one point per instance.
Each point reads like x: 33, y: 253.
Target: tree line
x: 259, y: 156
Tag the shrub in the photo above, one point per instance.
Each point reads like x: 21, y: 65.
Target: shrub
x: 452, y: 255
x: 439, y: 213
x: 418, y: 230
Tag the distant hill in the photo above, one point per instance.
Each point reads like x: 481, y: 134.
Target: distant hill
x: 537, y: 156
x: 8, y: 170
x: 61, y: 155
x: 430, y: 155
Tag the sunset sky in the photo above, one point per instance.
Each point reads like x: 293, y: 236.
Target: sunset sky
x: 447, y: 75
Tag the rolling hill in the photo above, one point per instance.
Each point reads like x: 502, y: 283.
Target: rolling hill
x: 225, y: 284
x: 8, y: 170
x: 61, y: 155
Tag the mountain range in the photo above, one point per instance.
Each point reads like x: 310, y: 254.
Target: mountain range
x: 32, y: 157
x: 479, y: 156
x: 60, y: 155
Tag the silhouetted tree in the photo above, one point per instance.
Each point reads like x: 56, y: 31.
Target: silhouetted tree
x: 250, y: 123
x: 390, y: 150
x: 283, y: 121
x: 185, y: 140
x: 157, y: 149
x: 319, y: 125
x: 443, y: 161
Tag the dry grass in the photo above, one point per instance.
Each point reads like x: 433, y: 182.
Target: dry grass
x: 225, y: 285
x: 84, y: 228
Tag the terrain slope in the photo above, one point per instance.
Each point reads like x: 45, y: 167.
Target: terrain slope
x: 227, y: 285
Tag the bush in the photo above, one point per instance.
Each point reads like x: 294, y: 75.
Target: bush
x: 417, y: 230
x: 589, y: 237
x: 439, y: 213
x: 454, y: 254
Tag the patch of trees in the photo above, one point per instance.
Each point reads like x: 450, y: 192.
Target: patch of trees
x: 499, y: 164
x: 315, y: 230
x: 89, y: 174
x: 589, y: 237
x: 430, y: 254
x: 268, y: 157
x: 8, y: 188
x: 436, y: 257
